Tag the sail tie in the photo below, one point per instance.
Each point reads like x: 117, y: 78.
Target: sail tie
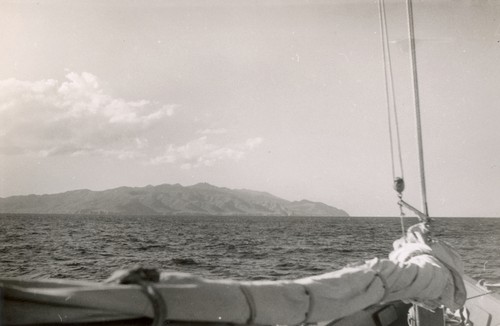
x: 385, y: 285
x: 251, y: 304
x: 145, y: 277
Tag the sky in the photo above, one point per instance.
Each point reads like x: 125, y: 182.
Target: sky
x: 286, y: 97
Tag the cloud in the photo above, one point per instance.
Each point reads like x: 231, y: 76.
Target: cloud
x: 251, y: 143
x: 218, y: 131
x: 200, y: 152
x: 76, y: 117
x: 73, y: 117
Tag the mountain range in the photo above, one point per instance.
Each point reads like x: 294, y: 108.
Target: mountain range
x: 166, y: 199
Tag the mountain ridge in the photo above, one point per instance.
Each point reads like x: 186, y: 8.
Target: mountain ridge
x: 166, y: 199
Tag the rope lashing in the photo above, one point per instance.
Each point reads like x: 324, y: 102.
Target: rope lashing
x: 399, y: 186
x: 250, y: 302
x: 384, y: 285
x: 145, y: 277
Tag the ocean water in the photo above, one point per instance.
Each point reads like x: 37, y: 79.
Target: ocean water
x: 249, y: 248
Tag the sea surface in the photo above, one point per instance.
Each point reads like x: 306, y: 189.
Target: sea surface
x: 249, y: 248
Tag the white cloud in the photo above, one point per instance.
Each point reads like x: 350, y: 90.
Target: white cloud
x: 73, y: 117
x: 253, y: 142
x: 200, y: 152
x: 218, y: 131
x: 76, y: 117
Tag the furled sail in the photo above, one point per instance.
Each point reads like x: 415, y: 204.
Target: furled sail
x: 420, y: 270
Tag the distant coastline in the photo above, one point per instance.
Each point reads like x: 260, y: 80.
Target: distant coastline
x: 173, y: 200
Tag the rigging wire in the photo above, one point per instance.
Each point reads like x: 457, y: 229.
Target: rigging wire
x: 394, y: 135
x: 390, y: 93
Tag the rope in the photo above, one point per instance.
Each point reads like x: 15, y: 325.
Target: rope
x: 145, y: 277
x: 480, y: 295
x: 251, y: 304
x: 390, y: 94
x: 392, y: 112
x: 309, y: 308
x: 385, y: 285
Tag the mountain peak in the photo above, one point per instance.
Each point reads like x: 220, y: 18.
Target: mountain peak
x: 203, y: 185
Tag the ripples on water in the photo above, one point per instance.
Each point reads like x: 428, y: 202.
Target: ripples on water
x: 251, y: 248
